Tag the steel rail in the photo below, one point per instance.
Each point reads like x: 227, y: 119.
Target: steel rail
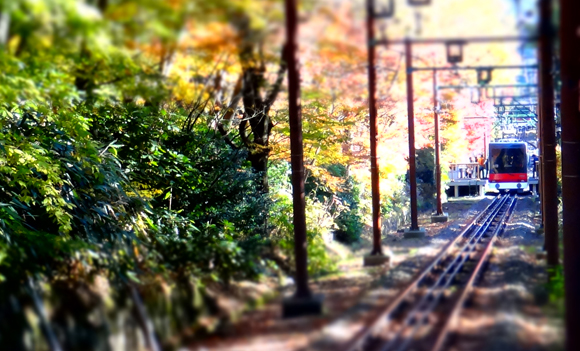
x: 429, y: 301
x: 358, y: 341
x: 450, y: 322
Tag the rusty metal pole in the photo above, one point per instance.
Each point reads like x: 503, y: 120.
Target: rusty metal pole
x: 376, y: 196
x: 302, y: 302
x: 570, y: 112
x: 411, y: 121
x: 548, y: 134
x: 437, y: 146
x: 296, y: 149
x: 539, y: 168
x: 485, y: 142
x: 540, y: 143
x: 376, y: 256
x: 485, y: 171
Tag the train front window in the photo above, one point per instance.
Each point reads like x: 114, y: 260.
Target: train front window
x: 510, y: 159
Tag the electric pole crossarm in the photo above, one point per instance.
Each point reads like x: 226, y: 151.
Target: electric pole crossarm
x: 463, y: 40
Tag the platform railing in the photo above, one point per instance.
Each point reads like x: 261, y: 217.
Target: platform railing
x: 459, y: 171
x: 467, y: 170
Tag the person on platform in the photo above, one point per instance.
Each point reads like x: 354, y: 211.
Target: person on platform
x: 470, y: 171
x: 486, y: 169
x: 481, y: 166
x: 534, y: 161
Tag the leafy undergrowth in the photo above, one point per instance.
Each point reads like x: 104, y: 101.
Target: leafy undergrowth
x: 556, y: 290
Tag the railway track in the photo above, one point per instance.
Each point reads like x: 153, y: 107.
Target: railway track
x: 422, y: 316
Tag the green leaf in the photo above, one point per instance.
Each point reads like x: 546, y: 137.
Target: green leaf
x: 132, y: 276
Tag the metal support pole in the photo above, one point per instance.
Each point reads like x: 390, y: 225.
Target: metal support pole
x: 540, y: 155
x: 514, y: 105
x: 548, y: 134
x: 570, y: 123
x: 541, y: 184
x: 376, y: 196
x: 437, y: 146
x: 456, y: 68
x: 485, y: 170
x: 487, y: 86
x: 296, y: 149
x: 411, y: 117
x: 484, y: 142
x: 376, y: 256
x: 465, y: 40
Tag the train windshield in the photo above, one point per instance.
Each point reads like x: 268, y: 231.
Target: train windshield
x: 508, y: 158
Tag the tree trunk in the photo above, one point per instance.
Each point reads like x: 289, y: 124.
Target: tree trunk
x: 259, y: 160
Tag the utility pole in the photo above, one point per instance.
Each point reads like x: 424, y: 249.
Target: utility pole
x: 570, y: 112
x: 414, y: 231
x: 376, y: 257
x: 548, y: 134
x: 303, y: 302
x: 439, y: 216
x: 485, y: 142
x: 540, y: 187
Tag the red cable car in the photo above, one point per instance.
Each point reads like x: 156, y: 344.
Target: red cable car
x: 508, y: 167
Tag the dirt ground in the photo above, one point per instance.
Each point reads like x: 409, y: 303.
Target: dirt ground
x: 355, y: 294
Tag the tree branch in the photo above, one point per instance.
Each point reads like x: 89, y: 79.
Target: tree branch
x: 236, y: 97
x: 278, y: 84
x: 243, y: 134
x: 224, y: 134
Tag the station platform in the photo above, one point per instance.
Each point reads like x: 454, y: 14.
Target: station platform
x: 468, y: 186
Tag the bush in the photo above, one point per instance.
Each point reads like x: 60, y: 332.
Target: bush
x: 319, y: 222
x: 556, y: 288
x: 426, y: 186
x: 350, y: 220
x: 395, y: 205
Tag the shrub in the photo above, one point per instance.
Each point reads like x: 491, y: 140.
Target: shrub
x: 350, y: 220
x: 319, y: 222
